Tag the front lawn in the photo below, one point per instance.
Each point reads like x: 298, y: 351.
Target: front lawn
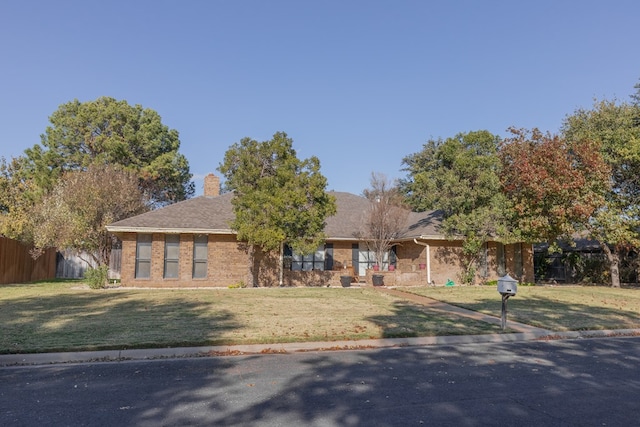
x: 558, y: 308
x: 66, y: 316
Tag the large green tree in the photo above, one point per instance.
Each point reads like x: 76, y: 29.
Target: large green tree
x: 460, y: 177
x: 278, y: 198
x: 109, y: 131
x: 615, y: 127
x: 53, y: 195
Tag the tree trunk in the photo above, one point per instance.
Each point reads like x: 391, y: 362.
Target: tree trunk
x: 251, y: 276
x: 614, y: 264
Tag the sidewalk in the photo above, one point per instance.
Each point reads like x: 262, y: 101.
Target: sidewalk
x: 525, y: 332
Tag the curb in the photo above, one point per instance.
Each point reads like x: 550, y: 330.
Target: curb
x: 125, y: 355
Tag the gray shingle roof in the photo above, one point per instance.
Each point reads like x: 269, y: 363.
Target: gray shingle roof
x: 423, y: 224
x: 204, y: 214
x: 207, y: 214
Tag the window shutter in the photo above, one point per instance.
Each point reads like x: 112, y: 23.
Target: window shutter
x: 355, y: 258
x: 328, y: 256
x: 287, y: 251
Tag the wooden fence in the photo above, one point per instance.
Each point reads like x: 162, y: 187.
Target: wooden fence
x: 18, y: 266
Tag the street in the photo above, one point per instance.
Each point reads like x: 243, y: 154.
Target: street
x: 582, y: 382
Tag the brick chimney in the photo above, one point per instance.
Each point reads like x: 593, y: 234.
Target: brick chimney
x: 211, y: 185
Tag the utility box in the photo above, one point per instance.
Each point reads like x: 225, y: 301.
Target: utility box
x: 507, y: 286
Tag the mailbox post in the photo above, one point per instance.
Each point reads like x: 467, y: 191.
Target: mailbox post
x: 507, y: 287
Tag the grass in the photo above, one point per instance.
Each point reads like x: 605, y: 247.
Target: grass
x: 557, y: 308
x: 66, y: 316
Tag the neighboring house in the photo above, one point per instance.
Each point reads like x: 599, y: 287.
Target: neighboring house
x: 190, y: 244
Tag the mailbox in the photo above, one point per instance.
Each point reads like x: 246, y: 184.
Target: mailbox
x: 507, y: 286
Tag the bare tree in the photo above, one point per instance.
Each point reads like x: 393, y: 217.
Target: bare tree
x: 386, y: 217
x: 74, y: 215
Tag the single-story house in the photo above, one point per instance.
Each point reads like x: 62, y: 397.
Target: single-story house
x: 190, y: 244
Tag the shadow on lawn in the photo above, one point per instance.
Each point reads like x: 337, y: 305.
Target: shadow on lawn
x: 104, y: 320
x: 557, y: 315
x: 410, y: 319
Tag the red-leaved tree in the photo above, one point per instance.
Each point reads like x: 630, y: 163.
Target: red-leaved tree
x: 555, y: 186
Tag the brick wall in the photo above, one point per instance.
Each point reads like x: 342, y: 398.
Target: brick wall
x: 228, y: 262
x: 211, y: 185
x: 447, y: 262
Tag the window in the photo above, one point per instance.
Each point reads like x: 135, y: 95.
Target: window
x: 367, y: 259
x: 501, y: 267
x: 171, y: 256
x: 143, y: 256
x: 483, y: 261
x: 321, y: 259
x: 517, y: 259
x: 200, y: 256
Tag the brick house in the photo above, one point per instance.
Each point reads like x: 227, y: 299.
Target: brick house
x: 190, y: 244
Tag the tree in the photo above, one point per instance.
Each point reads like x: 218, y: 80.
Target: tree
x: 17, y: 198
x: 615, y: 127
x: 83, y: 135
x: 108, y: 131
x: 636, y: 96
x: 386, y: 218
x: 277, y: 197
x: 460, y: 177
x: 555, y: 186
x: 74, y: 215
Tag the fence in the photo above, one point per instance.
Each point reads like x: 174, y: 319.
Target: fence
x: 70, y: 266
x: 18, y: 266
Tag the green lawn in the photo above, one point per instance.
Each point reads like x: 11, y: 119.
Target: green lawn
x: 558, y: 308
x: 64, y: 316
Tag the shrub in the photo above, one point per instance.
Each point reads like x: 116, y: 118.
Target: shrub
x: 238, y: 285
x: 96, y: 278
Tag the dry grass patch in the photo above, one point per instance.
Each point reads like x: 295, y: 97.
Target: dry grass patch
x: 558, y: 308
x: 64, y: 316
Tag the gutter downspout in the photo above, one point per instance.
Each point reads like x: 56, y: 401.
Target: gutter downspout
x: 428, y: 256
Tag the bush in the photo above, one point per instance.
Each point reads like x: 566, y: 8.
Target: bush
x: 96, y: 278
x: 238, y: 285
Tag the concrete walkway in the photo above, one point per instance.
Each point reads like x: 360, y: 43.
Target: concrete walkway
x: 525, y: 332
x: 436, y: 305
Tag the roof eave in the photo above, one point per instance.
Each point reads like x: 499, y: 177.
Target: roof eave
x: 121, y: 229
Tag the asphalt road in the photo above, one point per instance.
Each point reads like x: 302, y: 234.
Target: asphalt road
x: 586, y: 382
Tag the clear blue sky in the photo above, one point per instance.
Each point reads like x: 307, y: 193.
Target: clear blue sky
x: 359, y: 84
